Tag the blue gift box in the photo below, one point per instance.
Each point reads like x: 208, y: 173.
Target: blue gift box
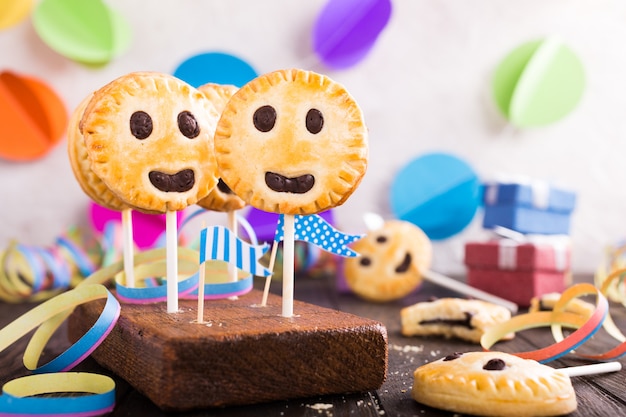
x: 534, y: 208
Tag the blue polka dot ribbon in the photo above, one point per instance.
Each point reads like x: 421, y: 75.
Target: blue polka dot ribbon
x: 317, y: 231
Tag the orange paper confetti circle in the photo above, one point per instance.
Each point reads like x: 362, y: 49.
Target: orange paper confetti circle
x: 32, y: 117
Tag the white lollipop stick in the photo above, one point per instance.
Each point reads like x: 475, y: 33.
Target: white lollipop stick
x: 288, y: 265
x: 171, y: 253
x: 596, y: 368
x: 128, y: 247
x: 268, y: 279
x: 201, y: 280
x: 232, y: 267
x: 462, y: 288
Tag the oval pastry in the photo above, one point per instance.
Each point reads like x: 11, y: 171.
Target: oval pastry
x: 292, y: 142
x: 221, y: 198
x: 493, y: 384
x: 452, y: 317
x: 149, y: 137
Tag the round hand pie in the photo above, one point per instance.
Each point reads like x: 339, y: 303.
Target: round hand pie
x: 221, y: 198
x: 391, y: 262
x: 292, y: 142
x: 81, y: 166
x: 149, y: 137
x: 494, y: 384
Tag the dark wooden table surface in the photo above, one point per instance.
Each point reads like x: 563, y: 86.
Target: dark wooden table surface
x: 598, y: 395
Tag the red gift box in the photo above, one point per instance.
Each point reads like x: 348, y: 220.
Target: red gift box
x: 519, y: 271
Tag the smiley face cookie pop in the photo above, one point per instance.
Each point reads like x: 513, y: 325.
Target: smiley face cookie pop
x: 149, y: 138
x: 292, y: 142
x: 494, y: 384
x: 393, y: 260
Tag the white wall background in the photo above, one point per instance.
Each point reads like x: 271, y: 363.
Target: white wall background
x: 425, y: 87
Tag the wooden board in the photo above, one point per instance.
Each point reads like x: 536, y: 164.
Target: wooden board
x: 242, y: 354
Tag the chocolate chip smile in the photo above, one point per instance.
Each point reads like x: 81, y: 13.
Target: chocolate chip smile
x: 179, y: 183
x: 221, y: 185
x: 296, y: 185
x: 404, y: 266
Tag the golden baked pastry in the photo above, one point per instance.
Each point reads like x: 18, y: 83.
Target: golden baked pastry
x: 546, y: 302
x: 218, y: 94
x: 452, y: 317
x: 149, y: 137
x: 81, y: 165
x: 292, y: 142
x: 493, y: 384
x: 391, y: 262
x: 221, y: 198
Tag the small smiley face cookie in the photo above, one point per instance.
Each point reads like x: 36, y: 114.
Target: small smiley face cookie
x: 292, y: 142
x: 90, y: 183
x: 221, y: 198
x: 149, y: 137
x: 391, y: 262
x: 493, y: 384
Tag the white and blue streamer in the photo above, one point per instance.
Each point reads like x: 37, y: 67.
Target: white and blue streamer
x: 220, y: 244
x: 317, y: 231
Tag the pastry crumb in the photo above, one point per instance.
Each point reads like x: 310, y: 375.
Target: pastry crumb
x: 407, y: 348
x: 322, y: 408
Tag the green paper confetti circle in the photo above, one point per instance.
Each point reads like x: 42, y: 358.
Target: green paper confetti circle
x: 86, y: 31
x: 538, y: 83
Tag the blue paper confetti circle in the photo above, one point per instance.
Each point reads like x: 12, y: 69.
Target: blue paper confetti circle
x: 215, y: 67
x: 437, y: 192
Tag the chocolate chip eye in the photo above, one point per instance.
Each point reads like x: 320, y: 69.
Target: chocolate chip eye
x: 314, y: 121
x: 365, y: 261
x: 381, y: 239
x: 494, y: 365
x: 188, y: 125
x: 264, y: 118
x: 140, y: 124
x: 455, y: 355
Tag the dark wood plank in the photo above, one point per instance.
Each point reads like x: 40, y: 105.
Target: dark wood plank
x: 245, y: 354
